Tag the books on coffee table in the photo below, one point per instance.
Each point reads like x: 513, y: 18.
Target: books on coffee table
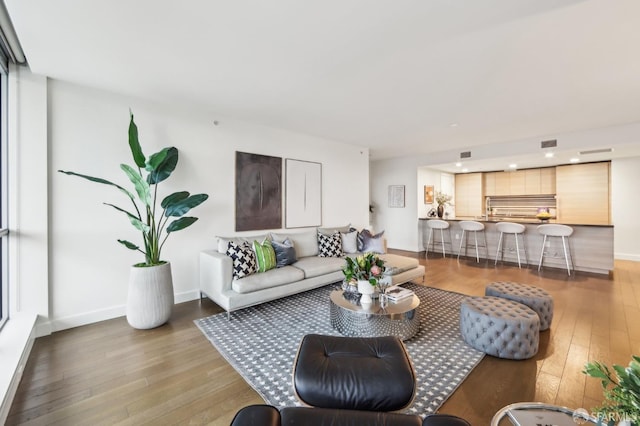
x: 396, y: 293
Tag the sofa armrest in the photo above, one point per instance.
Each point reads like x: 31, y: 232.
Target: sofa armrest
x: 216, y: 275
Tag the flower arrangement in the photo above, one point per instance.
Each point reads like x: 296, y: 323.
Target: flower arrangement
x: 443, y: 199
x: 621, y: 391
x: 366, y: 267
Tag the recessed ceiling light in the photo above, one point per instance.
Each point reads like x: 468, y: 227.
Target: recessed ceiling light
x: 548, y: 155
x: 453, y: 125
x: 465, y: 170
x: 458, y: 164
x: 513, y: 166
x: 574, y: 160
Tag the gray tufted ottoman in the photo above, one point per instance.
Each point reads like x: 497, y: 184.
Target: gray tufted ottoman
x: 500, y: 327
x: 534, y: 297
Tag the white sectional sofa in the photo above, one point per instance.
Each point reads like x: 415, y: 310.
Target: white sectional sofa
x: 309, y: 271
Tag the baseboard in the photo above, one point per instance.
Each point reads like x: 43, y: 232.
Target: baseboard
x: 16, y: 341
x: 59, y: 324
x: 627, y: 256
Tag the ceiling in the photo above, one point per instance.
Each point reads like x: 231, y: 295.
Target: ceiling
x: 402, y: 77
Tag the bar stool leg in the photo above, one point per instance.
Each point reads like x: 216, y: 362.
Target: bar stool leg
x: 442, y: 238
x: 544, y: 241
x: 498, y: 251
x: 517, y: 250
x: 524, y: 248
x: 566, y: 257
x: 426, y: 254
x: 460, y: 248
x: 475, y: 237
x: 486, y: 247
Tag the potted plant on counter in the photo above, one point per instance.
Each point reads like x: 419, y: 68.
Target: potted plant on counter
x: 442, y: 200
x: 621, y: 388
x: 150, y: 295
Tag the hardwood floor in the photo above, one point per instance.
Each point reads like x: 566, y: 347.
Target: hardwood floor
x: 108, y: 373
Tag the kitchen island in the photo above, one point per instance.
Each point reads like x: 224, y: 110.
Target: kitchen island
x: 591, y: 245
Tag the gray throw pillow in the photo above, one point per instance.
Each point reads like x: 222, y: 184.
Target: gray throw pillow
x: 372, y: 243
x: 366, y: 234
x: 285, y: 253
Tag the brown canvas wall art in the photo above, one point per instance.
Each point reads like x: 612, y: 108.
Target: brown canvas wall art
x: 258, y: 192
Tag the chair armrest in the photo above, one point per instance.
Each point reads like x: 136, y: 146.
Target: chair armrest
x: 257, y: 415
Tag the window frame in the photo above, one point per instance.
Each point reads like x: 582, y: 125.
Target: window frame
x: 4, y: 192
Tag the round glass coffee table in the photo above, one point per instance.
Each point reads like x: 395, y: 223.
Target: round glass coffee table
x: 537, y: 413
x: 351, y: 318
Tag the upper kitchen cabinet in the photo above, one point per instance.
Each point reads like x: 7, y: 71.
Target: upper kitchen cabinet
x: 469, y: 200
x: 547, y: 180
x: 582, y: 192
x: 520, y: 182
x: 503, y: 184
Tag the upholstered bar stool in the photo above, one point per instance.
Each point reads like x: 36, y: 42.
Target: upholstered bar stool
x: 469, y: 226
x: 441, y: 225
x: 556, y: 230
x: 515, y: 229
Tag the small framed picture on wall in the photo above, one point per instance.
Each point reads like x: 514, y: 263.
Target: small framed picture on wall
x: 396, y: 196
x: 428, y: 194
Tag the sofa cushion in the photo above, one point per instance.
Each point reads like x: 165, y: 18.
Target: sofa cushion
x: 223, y: 242
x: 265, y: 255
x: 331, y: 231
x: 349, y: 241
x: 272, y: 278
x: 314, y: 266
x: 306, y: 243
x: 329, y: 245
x: 244, y: 259
x: 285, y: 253
x: 396, y: 264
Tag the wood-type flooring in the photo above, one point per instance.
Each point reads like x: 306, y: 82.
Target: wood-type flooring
x: 108, y: 373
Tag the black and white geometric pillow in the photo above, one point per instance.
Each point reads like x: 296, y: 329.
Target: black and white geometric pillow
x: 244, y: 259
x: 329, y: 245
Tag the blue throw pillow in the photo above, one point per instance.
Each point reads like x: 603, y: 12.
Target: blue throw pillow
x: 285, y: 252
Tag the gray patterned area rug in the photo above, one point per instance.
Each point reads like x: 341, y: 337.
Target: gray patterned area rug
x: 261, y: 343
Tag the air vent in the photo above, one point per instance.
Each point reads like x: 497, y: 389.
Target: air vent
x: 466, y: 154
x: 596, y: 151
x: 549, y: 144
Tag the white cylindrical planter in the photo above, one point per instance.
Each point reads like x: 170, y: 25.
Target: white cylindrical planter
x: 150, y: 299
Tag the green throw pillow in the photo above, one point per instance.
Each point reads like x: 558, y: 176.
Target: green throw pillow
x: 265, y: 255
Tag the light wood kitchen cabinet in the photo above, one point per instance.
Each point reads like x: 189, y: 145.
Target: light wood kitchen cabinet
x: 548, y: 180
x: 516, y: 182
x: 503, y: 184
x: 489, y: 184
x: 582, y: 192
x: 521, y: 182
x: 469, y: 199
x: 531, y: 181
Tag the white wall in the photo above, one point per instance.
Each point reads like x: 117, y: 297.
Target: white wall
x: 88, y: 134
x: 625, y: 176
x: 400, y: 224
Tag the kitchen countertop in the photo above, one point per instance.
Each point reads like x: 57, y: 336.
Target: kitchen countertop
x: 523, y: 221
